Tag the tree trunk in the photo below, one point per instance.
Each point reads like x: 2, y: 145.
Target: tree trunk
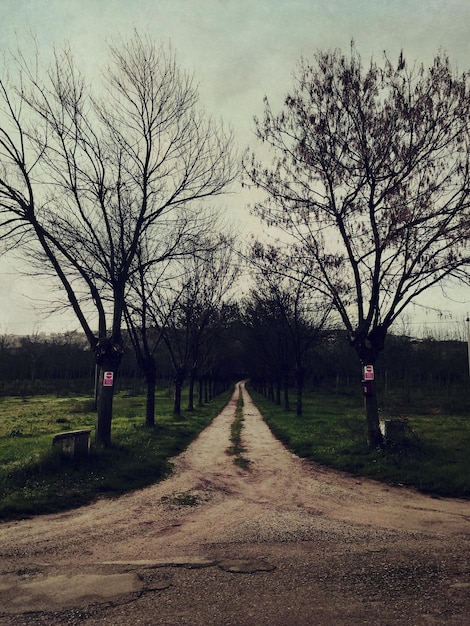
x: 299, y: 380
x: 368, y: 347
x: 200, y: 392
x: 150, y: 371
x: 374, y: 434
x: 96, y: 387
x: 286, y: 396
x: 278, y: 392
x: 177, y: 401
x: 150, y: 401
x: 191, y: 392
x: 108, y: 357
x: 104, y: 405
x: 298, y: 401
x: 270, y: 390
x: 179, y: 379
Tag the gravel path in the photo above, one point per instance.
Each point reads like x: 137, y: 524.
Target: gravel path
x: 285, y: 542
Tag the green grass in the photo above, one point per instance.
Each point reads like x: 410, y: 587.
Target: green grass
x: 435, y: 457
x: 237, y: 449
x: 35, y: 478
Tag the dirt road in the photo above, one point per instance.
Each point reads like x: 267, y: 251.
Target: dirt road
x: 284, y: 543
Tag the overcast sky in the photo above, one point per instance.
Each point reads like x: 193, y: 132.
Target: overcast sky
x: 239, y: 51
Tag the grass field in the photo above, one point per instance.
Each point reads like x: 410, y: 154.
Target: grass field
x: 434, y: 458
x: 35, y: 478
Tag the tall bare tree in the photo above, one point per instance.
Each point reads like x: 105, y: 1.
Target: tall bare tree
x: 370, y: 183
x: 180, y: 311
x: 156, y: 280
x: 298, y: 313
x: 85, y: 177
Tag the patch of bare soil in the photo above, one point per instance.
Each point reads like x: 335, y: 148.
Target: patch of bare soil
x: 284, y: 542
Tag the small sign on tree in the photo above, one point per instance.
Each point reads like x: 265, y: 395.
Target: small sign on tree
x: 108, y: 379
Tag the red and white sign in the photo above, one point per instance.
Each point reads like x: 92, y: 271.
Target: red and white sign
x: 368, y: 372
x: 108, y: 379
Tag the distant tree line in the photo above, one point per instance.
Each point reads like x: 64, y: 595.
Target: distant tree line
x: 237, y: 346
x: 61, y: 363
x: 408, y: 365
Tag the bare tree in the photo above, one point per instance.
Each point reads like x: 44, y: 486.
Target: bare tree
x: 84, y: 178
x: 216, y: 354
x: 299, y: 312
x: 184, y: 310
x: 370, y: 183
x: 157, y: 280
x: 270, y: 347
x: 213, y: 275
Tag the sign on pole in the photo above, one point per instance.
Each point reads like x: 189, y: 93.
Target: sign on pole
x: 368, y: 372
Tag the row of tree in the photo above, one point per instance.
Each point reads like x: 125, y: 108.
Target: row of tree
x: 104, y: 191
x: 177, y: 332
x: 239, y: 345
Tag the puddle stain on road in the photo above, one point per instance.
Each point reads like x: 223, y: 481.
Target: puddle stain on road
x: 57, y: 592
x: 43, y: 590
